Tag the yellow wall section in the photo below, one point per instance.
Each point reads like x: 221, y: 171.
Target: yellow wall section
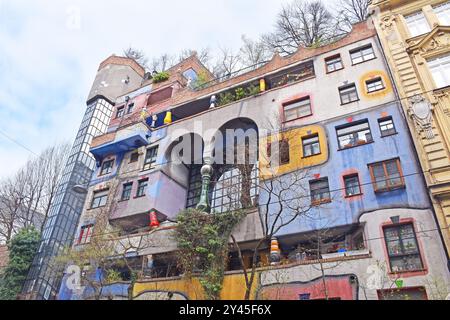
x: 377, y: 94
x: 233, y: 287
x: 296, y: 159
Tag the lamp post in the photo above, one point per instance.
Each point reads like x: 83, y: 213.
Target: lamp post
x: 206, y: 172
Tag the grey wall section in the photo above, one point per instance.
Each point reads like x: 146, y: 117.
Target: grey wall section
x: 43, y: 280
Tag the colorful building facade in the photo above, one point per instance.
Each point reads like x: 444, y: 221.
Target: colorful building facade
x: 330, y: 139
x: 415, y: 37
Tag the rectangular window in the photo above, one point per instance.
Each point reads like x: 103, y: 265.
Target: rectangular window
x: 334, y: 63
x: 374, y: 85
x: 99, y: 199
x: 283, y: 151
x: 440, y: 70
x: 352, y: 186
x: 107, y: 167
x: 348, y: 94
x: 386, y: 175
x: 126, y: 191
x: 354, y: 134
x: 362, y: 54
x: 134, y: 157
x: 417, y: 24
x: 443, y: 13
x: 150, y: 158
x: 311, y: 145
x: 386, y: 126
x: 130, y: 108
x: 320, y: 191
x: 120, y: 112
x: 85, y: 234
x: 402, y: 248
x: 142, y: 186
x: 297, y: 109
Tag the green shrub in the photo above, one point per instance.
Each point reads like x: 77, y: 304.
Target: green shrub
x: 161, y: 76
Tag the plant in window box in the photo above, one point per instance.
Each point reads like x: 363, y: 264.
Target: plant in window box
x: 225, y: 98
x: 253, y: 90
x: 239, y: 93
x: 161, y: 77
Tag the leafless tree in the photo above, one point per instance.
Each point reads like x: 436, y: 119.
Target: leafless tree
x: 227, y: 62
x: 137, y: 55
x: 253, y: 52
x: 204, y: 55
x: 162, y: 62
x: 26, y: 197
x: 301, y: 23
x: 350, y: 12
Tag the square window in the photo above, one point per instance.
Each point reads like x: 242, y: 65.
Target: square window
x: 134, y: 157
x: 374, y: 85
x: 142, y: 186
x: 402, y: 248
x: 354, y: 134
x: 120, y: 112
x: 320, y: 191
x: 417, y: 24
x: 311, y: 145
x: 362, y: 54
x: 443, y: 13
x: 297, y: 109
x: 386, y: 126
x: 126, y: 191
x: 348, y: 94
x: 334, y: 63
x: 352, y: 186
x: 107, y: 167
x: 386, y: 175
x: 150, y: 158
x: 99, y: 199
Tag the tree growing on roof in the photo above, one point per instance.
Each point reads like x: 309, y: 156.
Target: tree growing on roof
x: 301, y: 23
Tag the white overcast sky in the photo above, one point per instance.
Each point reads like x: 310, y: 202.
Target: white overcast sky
x: 50, y: 51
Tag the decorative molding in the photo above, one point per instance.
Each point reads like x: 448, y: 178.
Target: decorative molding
x: 420, y: 111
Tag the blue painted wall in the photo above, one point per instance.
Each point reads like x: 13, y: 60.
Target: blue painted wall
x: 341, y: 210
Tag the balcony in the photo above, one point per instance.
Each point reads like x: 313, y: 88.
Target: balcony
x: 124, y: 140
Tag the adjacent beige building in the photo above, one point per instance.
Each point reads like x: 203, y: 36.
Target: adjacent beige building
x: 415, y: 36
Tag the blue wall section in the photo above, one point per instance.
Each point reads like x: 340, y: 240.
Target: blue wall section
x: 342, y: 210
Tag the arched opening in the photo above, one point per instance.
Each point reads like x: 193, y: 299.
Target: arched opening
x: 234, y: 183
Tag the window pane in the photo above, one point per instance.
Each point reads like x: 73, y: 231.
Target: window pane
x: 352, y: 185
x: 417, y: 24
x: 354, y: 135
x: 443, y: 13
x: 297, y: 109
x: 440, y: 70
x: 393, y: 173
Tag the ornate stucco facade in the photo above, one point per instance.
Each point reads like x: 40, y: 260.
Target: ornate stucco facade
x: 415, y: 36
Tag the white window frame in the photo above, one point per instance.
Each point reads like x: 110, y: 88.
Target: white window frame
x: 442, y: 11
x: 417, y: 24
x: 440, y: 70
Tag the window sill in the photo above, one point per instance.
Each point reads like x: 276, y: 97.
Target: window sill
x: 388, y: 135
x: 317, y: 203
x: 136, y: 197
x: 353, y: 195
x: 376, y: 91
x: 355, y: 64
x: 329, y: 72
x: 344, y: 104
x: 286, y: 121
x: 313, y: 155
x: 355, y: 146
x: 417, y: 271
x: 390, y: 189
